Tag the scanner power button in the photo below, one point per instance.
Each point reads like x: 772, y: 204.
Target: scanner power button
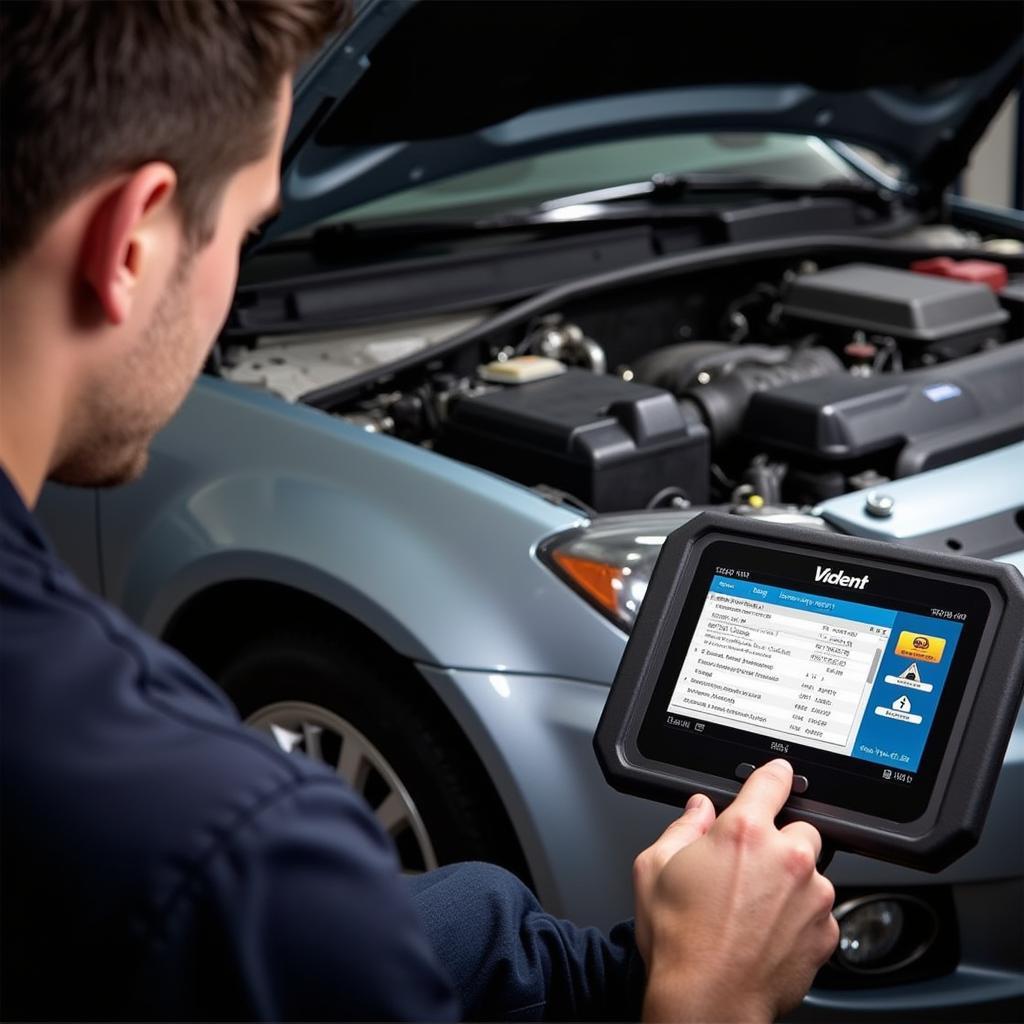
x: 744, y: 771
x: 799, y: 783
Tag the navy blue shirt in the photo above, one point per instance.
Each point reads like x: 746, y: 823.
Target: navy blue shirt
x: 160, y: 860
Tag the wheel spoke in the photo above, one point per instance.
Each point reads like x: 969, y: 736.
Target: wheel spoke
x: 392, y: 813
x: 311, y: 736
x: 352, y: 765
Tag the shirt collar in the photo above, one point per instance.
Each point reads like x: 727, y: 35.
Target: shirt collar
x: 16, y: 518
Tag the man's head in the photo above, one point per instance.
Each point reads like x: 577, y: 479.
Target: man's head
x: 141, y: 144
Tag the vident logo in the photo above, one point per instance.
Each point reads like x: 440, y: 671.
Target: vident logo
x: 838, y: 578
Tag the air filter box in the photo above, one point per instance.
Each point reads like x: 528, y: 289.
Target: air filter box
x: 949, y: 317
x: 611, y: 443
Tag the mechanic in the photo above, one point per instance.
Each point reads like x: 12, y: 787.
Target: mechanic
x: 159, y: 859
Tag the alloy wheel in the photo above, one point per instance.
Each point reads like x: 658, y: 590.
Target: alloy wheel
x: 300, y: 727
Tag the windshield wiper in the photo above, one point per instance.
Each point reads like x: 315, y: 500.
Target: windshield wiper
x: 669, y: 196
x: 676, y: 188
x: 661, y: 198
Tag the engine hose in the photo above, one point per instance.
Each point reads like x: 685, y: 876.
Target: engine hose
x: 722, y: 401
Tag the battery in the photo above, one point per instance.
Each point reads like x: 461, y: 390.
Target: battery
x: 613, y: 444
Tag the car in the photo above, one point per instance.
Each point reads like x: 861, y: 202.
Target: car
x: 549, y: 280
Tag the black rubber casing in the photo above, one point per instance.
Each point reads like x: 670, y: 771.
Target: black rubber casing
x: 952, y: 821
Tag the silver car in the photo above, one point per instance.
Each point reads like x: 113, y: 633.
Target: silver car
x: 548, y: 280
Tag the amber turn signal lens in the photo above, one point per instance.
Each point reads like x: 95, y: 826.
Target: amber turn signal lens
x: 593, y: 578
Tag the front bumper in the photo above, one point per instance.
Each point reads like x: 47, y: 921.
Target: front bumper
x: 534, y: 735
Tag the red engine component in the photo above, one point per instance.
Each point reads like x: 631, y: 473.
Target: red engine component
x: 977, y: 271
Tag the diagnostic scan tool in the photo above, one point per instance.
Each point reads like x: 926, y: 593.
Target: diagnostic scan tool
x: 889, y: 678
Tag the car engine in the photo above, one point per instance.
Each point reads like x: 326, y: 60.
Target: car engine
x: 780, y: 384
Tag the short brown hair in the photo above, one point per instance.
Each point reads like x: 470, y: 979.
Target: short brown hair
x: 93, y: 87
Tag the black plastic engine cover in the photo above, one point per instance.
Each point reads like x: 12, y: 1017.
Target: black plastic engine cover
x: 612, y: 443
x: 926, y: 418
x: 947, y: 317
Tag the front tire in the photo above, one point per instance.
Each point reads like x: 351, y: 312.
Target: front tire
x: 373, y: 721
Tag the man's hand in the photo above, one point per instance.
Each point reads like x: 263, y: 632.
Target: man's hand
x: 732, y: 917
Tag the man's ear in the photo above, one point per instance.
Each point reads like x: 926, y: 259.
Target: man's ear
x: 128, y: 236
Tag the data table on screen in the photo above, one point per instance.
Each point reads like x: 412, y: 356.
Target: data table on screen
x: 783, y: 663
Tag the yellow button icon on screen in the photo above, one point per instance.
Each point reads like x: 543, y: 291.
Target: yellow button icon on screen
x: 920, y: 646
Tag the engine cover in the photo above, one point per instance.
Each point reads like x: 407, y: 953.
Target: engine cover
x: 944, y: 316
x: 911, y: 421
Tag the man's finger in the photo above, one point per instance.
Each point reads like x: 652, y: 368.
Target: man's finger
x: 698, y: 817
x: 764, y: 793
x: 806, y: 834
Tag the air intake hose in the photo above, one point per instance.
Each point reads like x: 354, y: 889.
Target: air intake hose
x: 715, y: 381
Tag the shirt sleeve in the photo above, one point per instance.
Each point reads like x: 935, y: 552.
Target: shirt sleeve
x: 509, y: 960
x: 300, y: 914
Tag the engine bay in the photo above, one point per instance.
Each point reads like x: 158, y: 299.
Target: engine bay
x: 760, y: 382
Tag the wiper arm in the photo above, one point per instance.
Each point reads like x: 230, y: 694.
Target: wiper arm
x: 675, y: 188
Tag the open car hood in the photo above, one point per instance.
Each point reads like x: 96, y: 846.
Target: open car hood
x: 417, y: 92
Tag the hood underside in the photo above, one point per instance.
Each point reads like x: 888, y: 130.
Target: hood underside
x: 416, y: 92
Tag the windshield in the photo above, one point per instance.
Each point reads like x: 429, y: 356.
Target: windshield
x: 790, y: 159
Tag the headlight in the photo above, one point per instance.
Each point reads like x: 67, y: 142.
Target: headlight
x: 610, y: 562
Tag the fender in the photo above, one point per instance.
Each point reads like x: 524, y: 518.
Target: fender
x: 434, y: 557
